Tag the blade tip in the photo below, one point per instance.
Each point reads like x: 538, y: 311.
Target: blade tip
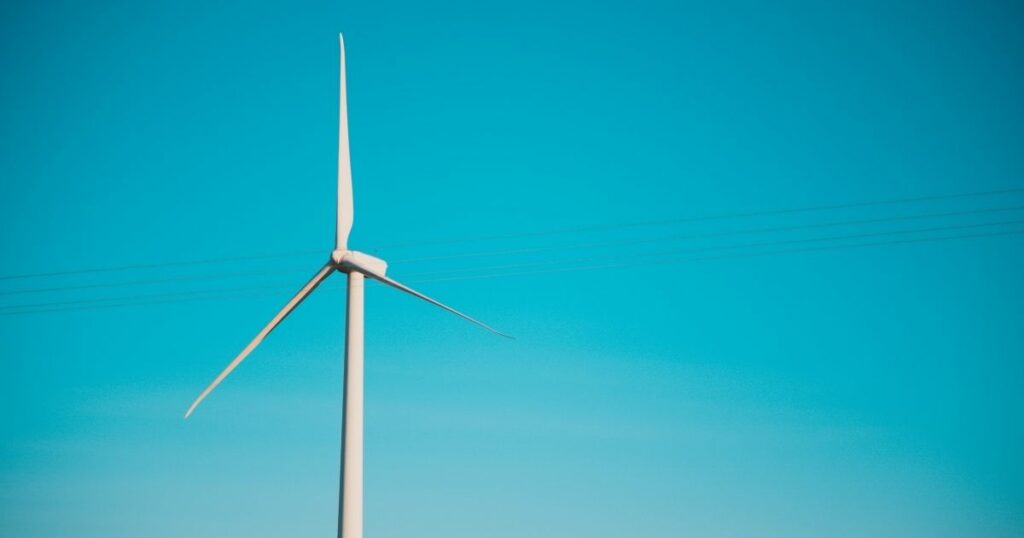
x: 499, y: 333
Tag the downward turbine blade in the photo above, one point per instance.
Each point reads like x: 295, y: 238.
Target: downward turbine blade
x: 303, y: 293
x: 398, y: 285
x: 345, y: 211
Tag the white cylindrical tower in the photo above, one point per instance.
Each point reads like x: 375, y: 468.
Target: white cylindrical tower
x: 350, y: 511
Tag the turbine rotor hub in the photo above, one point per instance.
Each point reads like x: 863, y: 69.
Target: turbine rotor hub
x: 350, y: 260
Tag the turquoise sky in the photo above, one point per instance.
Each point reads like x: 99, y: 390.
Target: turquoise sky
x: 799, y: 380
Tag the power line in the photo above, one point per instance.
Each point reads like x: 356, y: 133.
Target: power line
x: 175, y: 297
x: 129, y: 298
x: 733, y: 247
x: 722, y: 216
x: 143, y: 302
x: 208, y: 261
x: 606, y: 244
x: 722, y: 257
x: 507, y: 252
x: 540, y: 233
x: 195, y: 278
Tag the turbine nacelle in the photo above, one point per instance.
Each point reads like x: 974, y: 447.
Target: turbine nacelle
x: 347, y: 261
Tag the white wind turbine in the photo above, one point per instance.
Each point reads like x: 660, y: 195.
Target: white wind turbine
x: 356, y: 265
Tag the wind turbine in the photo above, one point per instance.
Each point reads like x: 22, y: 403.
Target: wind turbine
x: 357, y: 266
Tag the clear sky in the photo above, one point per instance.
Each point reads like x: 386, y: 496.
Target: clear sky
x: 805, y: 382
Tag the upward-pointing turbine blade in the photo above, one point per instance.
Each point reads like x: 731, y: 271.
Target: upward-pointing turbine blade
x: 345, y: 212
x: 398, y: 285
x: 303, y: 293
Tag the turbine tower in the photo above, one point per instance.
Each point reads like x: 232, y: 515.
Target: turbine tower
x: 357, y: 266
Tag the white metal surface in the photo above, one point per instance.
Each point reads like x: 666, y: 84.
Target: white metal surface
x: 345, y: 205
x: 352, y: 259
x: 350, y: 511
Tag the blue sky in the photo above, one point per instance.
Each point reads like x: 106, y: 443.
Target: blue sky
x: 841, y: 390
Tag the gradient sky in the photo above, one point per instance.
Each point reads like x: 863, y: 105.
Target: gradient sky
x: 844, y: 392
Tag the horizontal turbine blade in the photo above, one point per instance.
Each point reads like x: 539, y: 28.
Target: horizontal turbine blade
x: 398, y: 285
x: 303, y: 293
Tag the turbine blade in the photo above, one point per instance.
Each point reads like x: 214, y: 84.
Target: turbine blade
x: 399, y: 286
x: 303, y: 293
x: 345, y: 212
